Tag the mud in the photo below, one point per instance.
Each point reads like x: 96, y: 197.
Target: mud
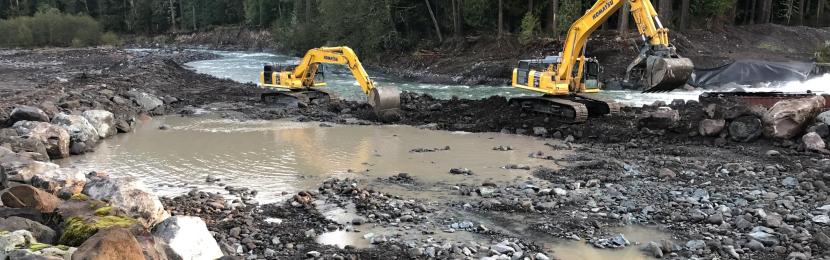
x: 710, y: 197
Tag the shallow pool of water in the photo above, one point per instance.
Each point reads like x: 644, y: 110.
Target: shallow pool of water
x: 276, y: 157
x: 637, y: 235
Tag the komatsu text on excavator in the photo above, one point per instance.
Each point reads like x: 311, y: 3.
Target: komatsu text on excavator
x: 566, y: 79
x: 297, y: 83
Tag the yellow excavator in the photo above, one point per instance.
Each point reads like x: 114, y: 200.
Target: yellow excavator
x: 297, y: 84
x: 567, y: 79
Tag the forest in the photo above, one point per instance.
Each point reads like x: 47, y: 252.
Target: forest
x: 397, y: 24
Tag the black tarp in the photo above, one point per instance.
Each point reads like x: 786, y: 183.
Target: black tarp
x: 748, y: 72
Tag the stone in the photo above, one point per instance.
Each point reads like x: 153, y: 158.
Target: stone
x: 822, y: 239
x: 22, y: 168
x: 813, y: 142
x: 824, y: 117
x: 797, y: 256
x: 146, y: 102
x: 27, y: 113
x: 716, y: 219
x: 19, y: 144
x: 129, y: 194
x: 666, y: 173
x: 820, y: 128
x: 754, y: 245
x: 103, y: 121
x: 188, y: 238
x: 78, y: 127
x: 694, y: 245
x: 26, y: 196
x: 653, y: 249
x: 541, y: 256
x: 773, y: 153
x: 788, y: 118
x: 41, y: 232
x: 152, y: 247
x: 789, y: 182
x: 746, y: 128
x: 124, y: 126
x: 55, y: 138
x: 11, y: 241
x: 821, y: 219
x: 764, y: 237
x: 660, y: 119
x: 110, y: 243
x: 62, y: 181
x: 503, y: 248
x: 711, y: 127
x: 540, y: 131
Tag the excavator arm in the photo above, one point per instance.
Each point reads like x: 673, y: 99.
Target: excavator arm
x: 385, y: 101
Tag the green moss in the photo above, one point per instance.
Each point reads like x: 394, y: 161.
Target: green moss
x: 104, y: 211
x: 34, y: 247
x: 79, y: 197
x: 77, y: 230
x: 62, y: 247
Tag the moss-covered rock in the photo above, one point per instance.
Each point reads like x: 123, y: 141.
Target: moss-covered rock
x: 78, y: 229
x: 79, y: 197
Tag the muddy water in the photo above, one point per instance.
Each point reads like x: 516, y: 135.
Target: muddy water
x: 273, y: 157
x: 637, y: 235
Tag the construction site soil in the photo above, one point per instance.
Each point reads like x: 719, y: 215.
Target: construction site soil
x: 714, y: 197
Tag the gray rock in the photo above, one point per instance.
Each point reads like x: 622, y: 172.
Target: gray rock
x: 790, y: 182
x: 27, y: 113
x: 765, y: 238
x: 821, y: 129
x: 42, y: 233
x: 11, y: 241
x: 746, y: 128
x: 821, y: 219
x: 188, y: 238
x: 788, y: 118
x: 103, y: 121
x: 313, y: 254
x: 78, y: 127
x: 503, y: 248
x: 755, y: 245
x: 716, y: 219
x: 822, y: 239
x: 130, y: 194
x: 55, y: 138
x: 711, y: 127
x: 797, y: 256
x: 824, y: 117
x: 694, y: 245
x: 147, y: 102
x: 541, y: 256
x: 813, y: 142
x: 540, y: 131
x: 653, y: 249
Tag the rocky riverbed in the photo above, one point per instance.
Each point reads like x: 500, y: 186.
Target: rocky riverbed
x: 723, y: 180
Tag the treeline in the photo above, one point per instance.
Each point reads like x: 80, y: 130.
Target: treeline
x: 391, y: 24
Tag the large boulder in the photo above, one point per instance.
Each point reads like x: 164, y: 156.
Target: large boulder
x: 43, y: 233
x: 662, y: 118
x: 64, y: 182
x: 824, y: 117
x: 81, y: 132
x: 10, y: 139
x: 746, y: 128
x: 129, y: 194
x: 26, y: 196
x: 103, y: 121
x: 54, y: 137
x: 13, y: 241
x: 111, y: 243
x: 83, y: 217
x: 188, y: 238
x: 21, y: 167
x: 788, y: 118
x: 27, y: 113
x: 147, y: 102
x: 152, y: 246
x: 711, y: 127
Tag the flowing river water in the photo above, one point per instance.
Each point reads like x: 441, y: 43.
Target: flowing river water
x: 280, y: 158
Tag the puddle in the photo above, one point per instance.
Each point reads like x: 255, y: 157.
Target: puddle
x: 580, y: 250
x: 342, y: 238
x: 284, y: 157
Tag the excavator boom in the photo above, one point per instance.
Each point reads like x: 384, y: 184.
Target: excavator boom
x: 302, y: 78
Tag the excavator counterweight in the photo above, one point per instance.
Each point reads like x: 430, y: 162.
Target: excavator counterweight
x: 297, y: 84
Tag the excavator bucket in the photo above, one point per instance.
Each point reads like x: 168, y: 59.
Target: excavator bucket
x: 667, y: 74
x: 386, y: 101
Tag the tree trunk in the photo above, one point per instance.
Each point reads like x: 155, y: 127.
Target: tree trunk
x: 501, y: 19
x: 456, y: 17
x: 554, y: 11
x: 434, y: 21
x: 666, y: 12
x: 684, y: 14
x: 193, y: 9
x: 801, y: 12
x: 172, y: 15
x: 750, y: 17
x: 530, y: 6
x: 819, y: 12
x: 624, y: 15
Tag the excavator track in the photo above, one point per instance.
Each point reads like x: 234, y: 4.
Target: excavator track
x: 564, y: 110
x: 598, y: 106
x: 295, y: 98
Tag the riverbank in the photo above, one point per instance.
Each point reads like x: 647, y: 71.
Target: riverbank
x: 712, y: 194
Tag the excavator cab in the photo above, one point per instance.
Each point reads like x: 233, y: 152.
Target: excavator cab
x: 590, y: 75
